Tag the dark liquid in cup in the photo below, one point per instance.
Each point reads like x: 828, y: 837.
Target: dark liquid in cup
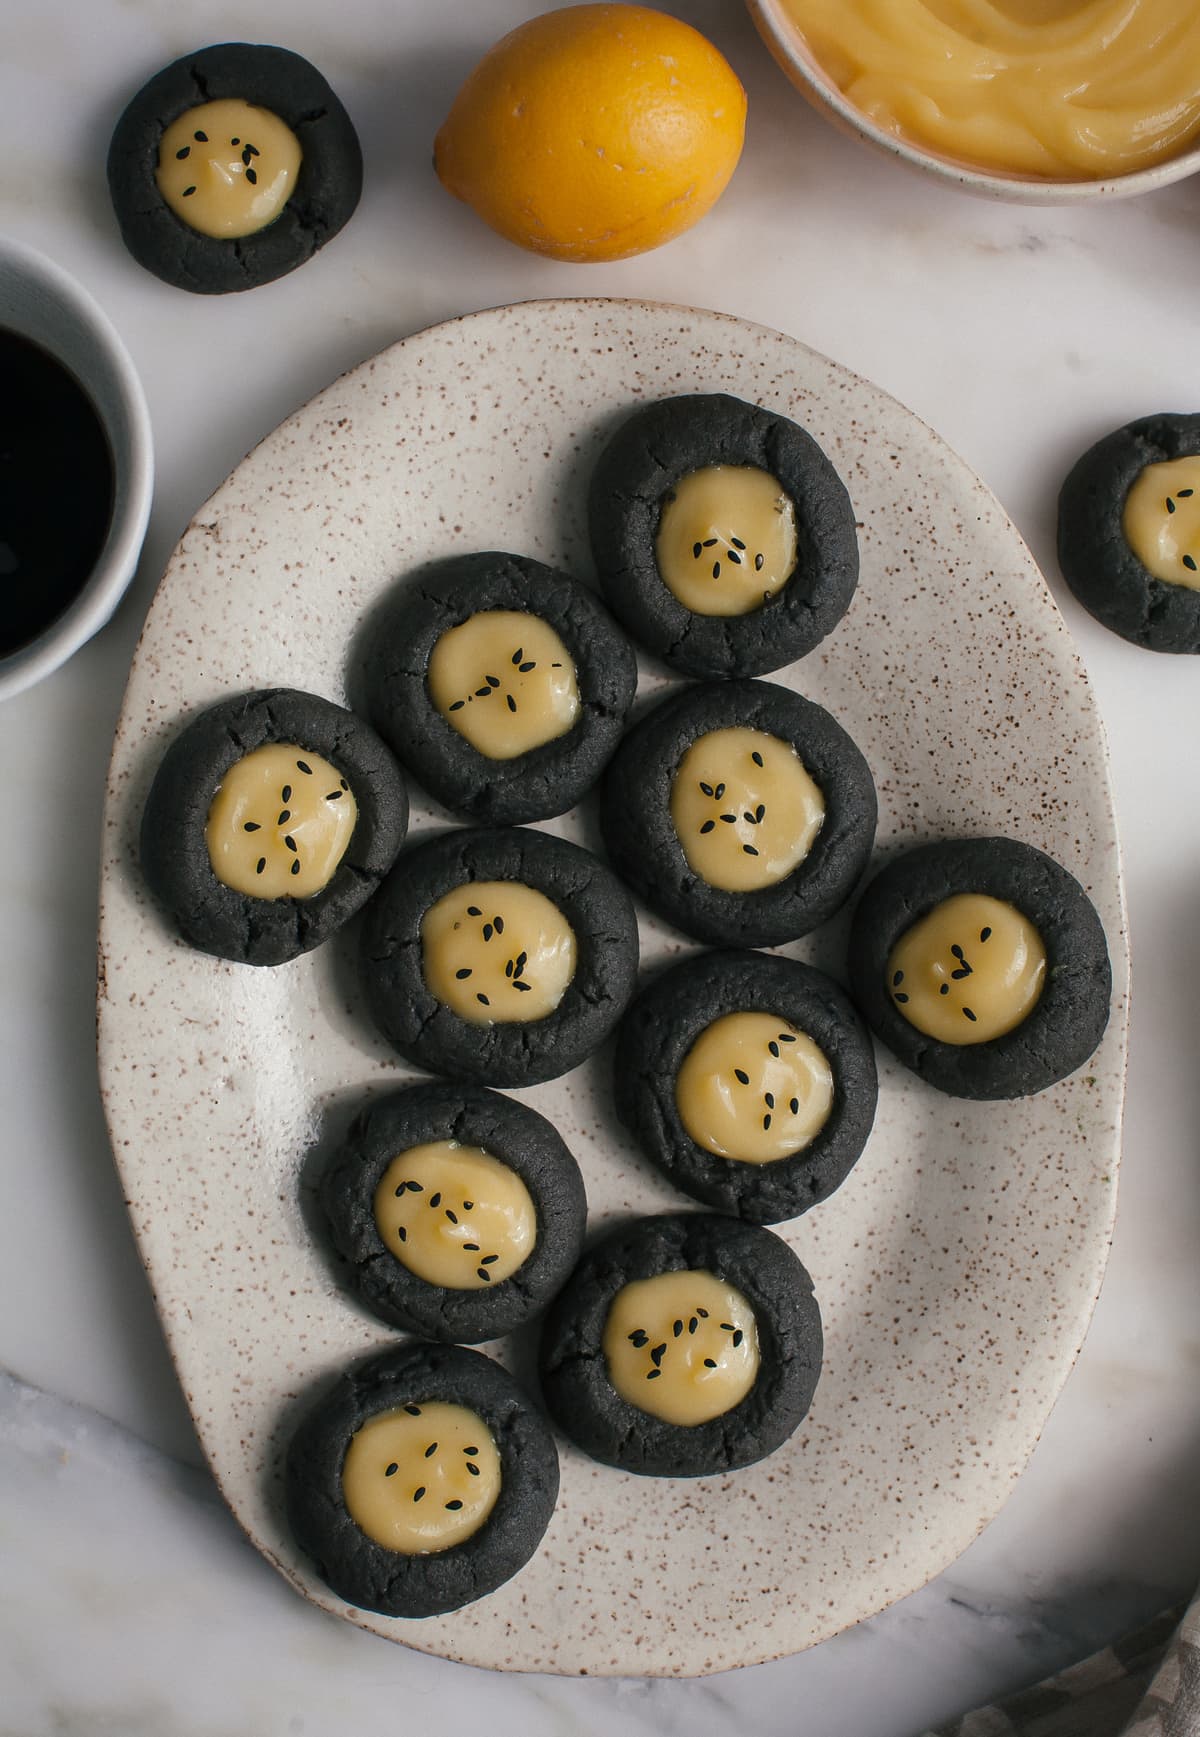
x: 56, y: 490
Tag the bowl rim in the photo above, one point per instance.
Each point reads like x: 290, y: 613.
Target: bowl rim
x: 783, y: 36
x: 130, y: 433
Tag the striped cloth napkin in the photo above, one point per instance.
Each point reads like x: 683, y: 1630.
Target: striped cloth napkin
x: 1147, y: 1685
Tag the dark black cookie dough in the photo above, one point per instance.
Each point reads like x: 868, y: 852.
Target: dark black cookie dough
x: 392, y: 1582
x: 516, y: 1053
x: 657, y: 446
x: 662, y: 1025
x: 512, y: 1132
x: 574, y: 1372
x: 324, y: 198
x: 175, y: 859
x: 640, y: 836
x: 1069, y: 1017
x: 1097, y: 561
x: 533, y: 786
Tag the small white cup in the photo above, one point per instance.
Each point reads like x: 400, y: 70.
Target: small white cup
x: 40, y: 301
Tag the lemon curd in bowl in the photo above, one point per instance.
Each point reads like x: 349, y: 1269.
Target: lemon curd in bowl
x: 1025, y: 97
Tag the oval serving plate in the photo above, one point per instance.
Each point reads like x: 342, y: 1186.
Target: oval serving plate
x: 958, y: 1266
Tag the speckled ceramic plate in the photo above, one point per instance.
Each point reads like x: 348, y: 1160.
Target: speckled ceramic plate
x: 957, y: 1267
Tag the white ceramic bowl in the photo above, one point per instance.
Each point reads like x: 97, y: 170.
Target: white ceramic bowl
x: 42, y: 302
x: 783, y: 37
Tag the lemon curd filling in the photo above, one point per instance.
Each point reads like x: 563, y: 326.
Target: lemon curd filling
x: 280, y: 823
x: 682, y: 1346
x: 726, y: 539
x: 970, y: 970
x: 455, y: 1215
x: 1056, y: 89
x: 227, y: 168
x: 421, y: 1478
x: 1161, y: 520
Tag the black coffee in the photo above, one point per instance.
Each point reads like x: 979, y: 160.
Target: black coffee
x: 56, y: 490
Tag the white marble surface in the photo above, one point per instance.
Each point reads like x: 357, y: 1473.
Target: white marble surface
x: 1020, y: 336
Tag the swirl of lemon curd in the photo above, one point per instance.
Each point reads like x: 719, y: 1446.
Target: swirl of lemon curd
x: 455, y: 1215
x: 682, y: 1346
x: 497, y: 951
x: 1053, y: 89
x: 745, y: 809
x: 227, y: 168
x: 421, y: 1478
x: 754, y: 1088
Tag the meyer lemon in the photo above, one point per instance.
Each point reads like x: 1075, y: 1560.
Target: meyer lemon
x: 595, y: 132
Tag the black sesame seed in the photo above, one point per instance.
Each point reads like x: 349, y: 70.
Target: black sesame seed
x: 758, y: 563
x: 482, y: 999
x: 719, y: 792
x: 391, y: 1470
x: 488, y: 931
x: 985, y: 934
x: 458, y: 705
x: 749, y: 850
x: 333, y: 796
x: 420, y: 1490
x: 530, y: 663
x: 677, y: 1328
x: 794, y: 1106
x: 766, y: 1123
x: 413, y: 1410
x: 716, y: 569
x: 235, y: 141
x: 1189, y: 563
x: 296, y: 866
x: 759, y: 812
x: 290, y: 841
x: 401, y: 1233
x: 203, y: 137
x: 508, y: 967
x: 787, y: 1037
x: 696, y: 551
x: 468, y: 1206
x: 303, y: 766
x: 710, y: 542
x: 474, y: 911
x: 499, y: 922
x: 482, y: 693
x: 769, y: 1100
x: 693, y: 1324
x: 188, y: 191
x: 512, y: 704
x: 431, y: 1450
x: 901, y: 996
x: 944, y: 990
x: 969, y: 1014
x: 251, y: 826
x: 637, y: 1338
x: 436, y: 1199
x: 452, y: 1216
x: 187, y: 150
x: 653, y: 1374
x: 455, y: 1505
x: 471, y: 1247
x: 742, y: 1076
x: 492, y: 681
x: 1170, y: 504
x: 709, y: 826
x: 246, y: 157
x: 518, y: 654
x: 710, y: 1363
x: 474, y: 1470
x: 521, y: 986
x: 482, y: 1273
x: 774, y: 1048
x: 489, y: 1260
x: 737, y: 542
x: 260, y: 865
x: 1184, y: 494
x: 705, y: 789
x: 657, y: 1353
x: 727, y: 1327
x: 757, y: 757
x: 470, y: 1450
x: 415, y: 1187
x: 897, y: 978
x: 463, y: 973
x: 738, y: 1336
x: 728, y: 819
x: 285, y: 814
x: 732, y: 555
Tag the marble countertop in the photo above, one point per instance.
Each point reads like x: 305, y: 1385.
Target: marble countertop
x: 1020, y: 336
